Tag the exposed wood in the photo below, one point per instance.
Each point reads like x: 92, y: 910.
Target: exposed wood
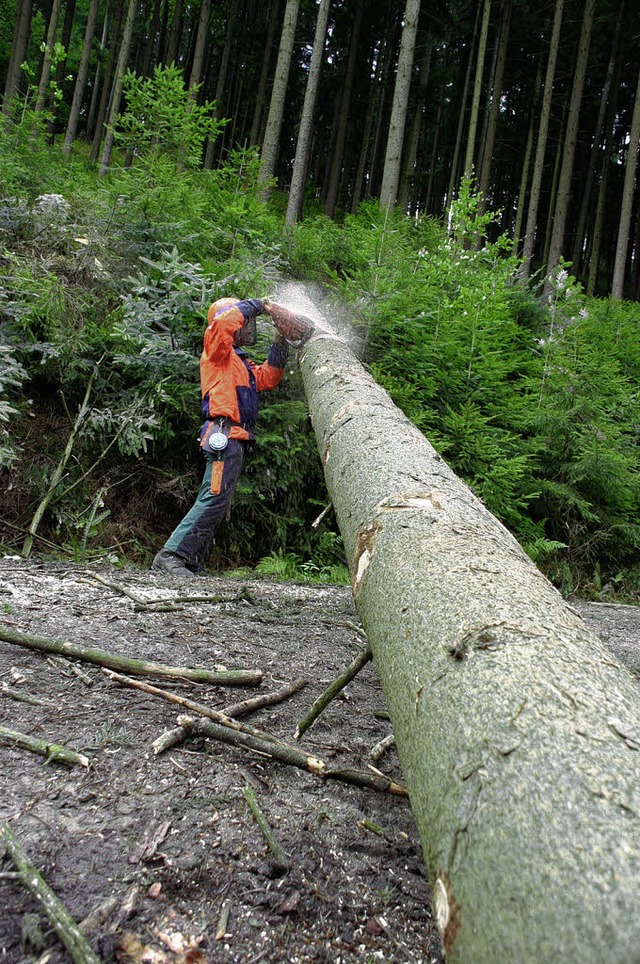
x: 517, y: 732
x: 139, y: 667
x: 280, y: 857
x: 169, y: 739
x: 65, y: 927
x: 50, y: 751
x: 349, y: 673
x: 382, y: 746
x: 267, y: 699
x: 284, y: 753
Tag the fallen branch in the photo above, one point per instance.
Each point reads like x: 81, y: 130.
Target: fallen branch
x: 169, y: 739
x: 51, y: 751
x: 267, y: 699
x: 281, y: 859
x: 284, y: 753
x: 332, y: 691
x: 382, y: 746
x: 172, y: 604
x: 63, y: 924
x: 19, y: 696
x: 138, y: 667
x: 217, y: 715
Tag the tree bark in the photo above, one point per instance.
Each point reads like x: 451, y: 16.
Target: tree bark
x: 395, y: 137
x: 617, y: 285
x: 517, y: 730
x: 303, y: 146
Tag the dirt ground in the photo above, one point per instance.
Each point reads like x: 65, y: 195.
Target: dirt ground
x: 160, y: 856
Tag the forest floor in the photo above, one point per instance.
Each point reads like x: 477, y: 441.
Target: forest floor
x: 160, y: 856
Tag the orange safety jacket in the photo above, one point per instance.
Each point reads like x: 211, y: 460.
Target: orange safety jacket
x: 229, y: 380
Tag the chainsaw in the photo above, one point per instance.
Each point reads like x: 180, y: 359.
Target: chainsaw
x: 295, y: 328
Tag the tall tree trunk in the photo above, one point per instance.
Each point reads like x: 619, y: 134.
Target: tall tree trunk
x: 222, y: 77
x: 395, y: 137
x: 405, y: 193
x: 598, y: 227
x: 148, y: 57
x: 570, y: 141
x: 522, y: 191
x: 18, y: 52
x: 271, y: 142
x: 303, y: 146
x: 107, y: 86
x: 541, y: 145
x: 118, y: 84
x: 335, y: 174
x: 47, y: 60
x: 195, y: 76
x: 477, y: 90
x: 61, y: 66
x: 96, y: 87
x: 259, y: 110
x: 455, y: 161
x: 494, y: 109
x: 596, y: 148
x: 516, y: 728
x: 81, y: 79
x: 175, y: 34
x: 631, y: 166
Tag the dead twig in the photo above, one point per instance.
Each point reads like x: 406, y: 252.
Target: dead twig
x: 19, y: 696
x: 171, y: 604
x: 138, y: 667
x: 280, y: 857
x: 284, y: 753
x: 63, y: 924
x: 217, y: 715
x: 51, y: 751
x: 267, y: 699
x: 332, y: 691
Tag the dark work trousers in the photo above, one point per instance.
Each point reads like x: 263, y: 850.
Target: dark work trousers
x: 192, y: 538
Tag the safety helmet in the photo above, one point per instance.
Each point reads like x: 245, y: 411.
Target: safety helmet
x: 244, y: 335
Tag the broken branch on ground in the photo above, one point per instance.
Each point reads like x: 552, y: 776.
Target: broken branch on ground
x: 138, y: 667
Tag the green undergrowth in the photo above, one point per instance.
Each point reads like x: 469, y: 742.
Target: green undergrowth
x: 104, y: 285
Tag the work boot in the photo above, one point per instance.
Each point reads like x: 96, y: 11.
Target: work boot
x: 196, y: 569
x: 167, y: 561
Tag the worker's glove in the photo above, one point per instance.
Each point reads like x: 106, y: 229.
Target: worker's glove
x: 279, y: 339
x: 256, y: 304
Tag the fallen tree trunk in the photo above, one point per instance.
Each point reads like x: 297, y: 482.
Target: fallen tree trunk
x: 517, y: 730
